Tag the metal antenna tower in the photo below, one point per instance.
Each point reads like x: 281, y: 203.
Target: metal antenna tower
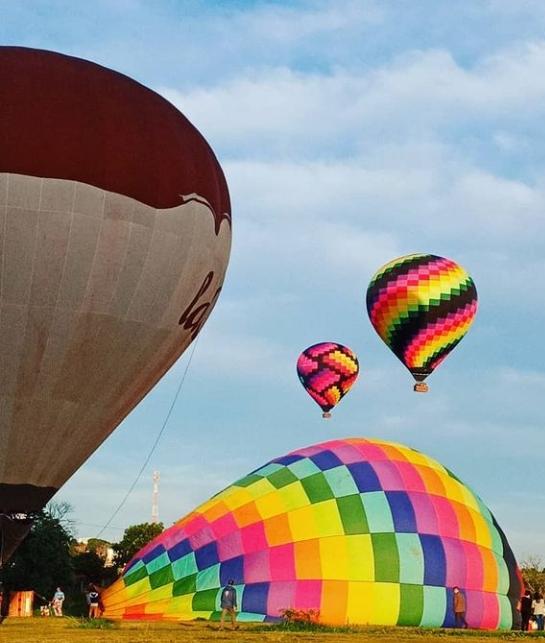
x: 155, y: 502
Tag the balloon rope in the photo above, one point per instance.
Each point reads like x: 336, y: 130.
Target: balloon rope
x: 1, y: 551
x: 154, y: 446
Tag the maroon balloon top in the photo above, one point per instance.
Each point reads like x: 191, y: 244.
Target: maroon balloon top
x: 67, y: 118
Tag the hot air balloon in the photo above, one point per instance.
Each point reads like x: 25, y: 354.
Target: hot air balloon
x: 421, y: 307
x: 116, y: 236
x: 327, y: 372
x: 359, y: 530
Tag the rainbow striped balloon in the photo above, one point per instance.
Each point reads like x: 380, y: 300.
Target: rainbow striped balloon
x: 327, y: 372
x: 359, y: 530
x: 421, y: 306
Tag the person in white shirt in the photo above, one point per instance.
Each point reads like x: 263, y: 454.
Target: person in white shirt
x: 538, y: 607
x: 58, y: 600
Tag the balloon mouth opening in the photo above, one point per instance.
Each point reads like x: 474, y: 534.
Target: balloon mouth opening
x: 421, y: 387
x: 326, y: 415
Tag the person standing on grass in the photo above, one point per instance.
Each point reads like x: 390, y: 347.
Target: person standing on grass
x: 94, y: 598
x: 525, y: 610
x: 229, y: 604
x: 538, y: 608
x: 459, y: 605
x: 58, y: 600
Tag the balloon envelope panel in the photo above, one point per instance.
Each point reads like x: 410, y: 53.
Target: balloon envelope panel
x: 421, y: 306
x: 365, y: 531
x: 115, y: 237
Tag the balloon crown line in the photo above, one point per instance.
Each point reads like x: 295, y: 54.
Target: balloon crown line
x: 420, y: 305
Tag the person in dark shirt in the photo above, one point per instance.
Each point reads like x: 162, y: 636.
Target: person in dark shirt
x: 229, y: 604
x: 93, y: 597
x: 459, y: 606
x: 538, y: 610
x: 525, y: 610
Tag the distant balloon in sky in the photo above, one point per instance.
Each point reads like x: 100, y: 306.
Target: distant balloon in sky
x: 421, y: 306
x: 327, y: 371
x: 116, y: 237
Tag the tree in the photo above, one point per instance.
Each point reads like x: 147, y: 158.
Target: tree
x: 134, y: 538
x: 43, y: 560
x: 533, y: 573
x: 98, y: 545
x: 89, y: 567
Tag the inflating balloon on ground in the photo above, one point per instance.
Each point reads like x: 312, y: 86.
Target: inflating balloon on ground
x: 360, y: 530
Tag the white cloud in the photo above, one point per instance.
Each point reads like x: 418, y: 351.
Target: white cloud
x: 347, y: 189
x: 399, y: 180
x: 287, y: 25
x: 302, y: 221
x: 281, y: 111
x: 525, y: 379
x: 233, y: 356
x: 507, y: 142
x: 505, y: 208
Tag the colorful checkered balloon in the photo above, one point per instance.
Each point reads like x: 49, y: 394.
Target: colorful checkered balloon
x: 421, y: 306
x: 364, y: 531
x: 327, y: 371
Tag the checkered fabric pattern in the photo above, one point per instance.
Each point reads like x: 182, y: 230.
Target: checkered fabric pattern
x: 421, y: 306
x: 365, y: 531
x: 327, y: 371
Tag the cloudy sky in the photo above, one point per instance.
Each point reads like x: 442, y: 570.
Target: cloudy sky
x: 350, y: 133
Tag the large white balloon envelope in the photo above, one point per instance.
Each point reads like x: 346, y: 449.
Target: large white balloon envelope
x: 115, y: 221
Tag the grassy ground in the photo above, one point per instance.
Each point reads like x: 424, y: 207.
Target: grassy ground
x: 53, y: 630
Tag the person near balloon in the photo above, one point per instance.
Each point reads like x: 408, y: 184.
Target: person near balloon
x: 459, y: 606
x: 538, y: 609
x: 228, y: 603
x: 57, y: 602
x: 93, y: 597
x: 525, y: 610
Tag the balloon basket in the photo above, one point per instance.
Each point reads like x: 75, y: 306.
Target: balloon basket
x: 326, y: 415
x: 421, y: 387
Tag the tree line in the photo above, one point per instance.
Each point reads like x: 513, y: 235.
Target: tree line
x: 51, y: 557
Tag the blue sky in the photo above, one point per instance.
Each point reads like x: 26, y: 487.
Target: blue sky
x: 350, y: 133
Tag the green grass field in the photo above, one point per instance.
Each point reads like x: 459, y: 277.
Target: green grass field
x: 67, y: 630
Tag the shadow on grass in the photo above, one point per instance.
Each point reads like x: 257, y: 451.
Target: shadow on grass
x: 91, y: 623
x: 407, y: 632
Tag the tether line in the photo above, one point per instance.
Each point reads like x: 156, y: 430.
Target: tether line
x: 156, y: 442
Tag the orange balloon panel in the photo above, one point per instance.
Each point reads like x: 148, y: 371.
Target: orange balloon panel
x: 115, y: 237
